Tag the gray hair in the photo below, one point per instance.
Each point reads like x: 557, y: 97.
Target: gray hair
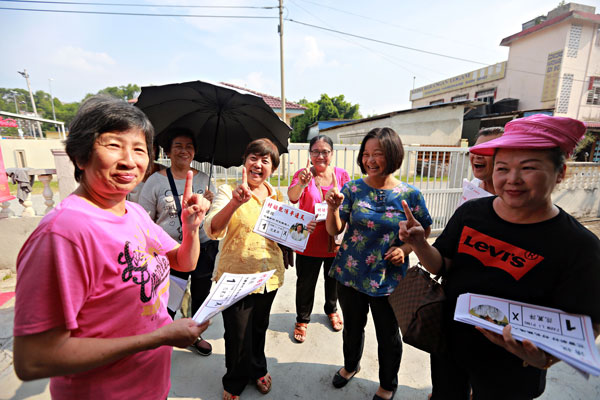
x: 100, y: 114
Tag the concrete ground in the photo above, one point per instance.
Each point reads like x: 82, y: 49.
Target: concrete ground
x: 301, y: 371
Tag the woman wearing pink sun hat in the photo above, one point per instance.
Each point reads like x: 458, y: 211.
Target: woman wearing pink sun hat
x: 515, y: 245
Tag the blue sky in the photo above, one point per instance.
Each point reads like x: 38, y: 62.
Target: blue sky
x: 85, y: 53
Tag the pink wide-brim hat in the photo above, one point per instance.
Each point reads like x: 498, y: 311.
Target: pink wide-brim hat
x: 538, y: 131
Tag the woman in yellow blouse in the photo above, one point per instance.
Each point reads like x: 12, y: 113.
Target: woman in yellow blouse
x: 232, y: 218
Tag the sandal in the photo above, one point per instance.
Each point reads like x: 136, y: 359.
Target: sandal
x: 229, y: 396
x: 264, y: 384
x: 300, y: 332
x: 336, y: 322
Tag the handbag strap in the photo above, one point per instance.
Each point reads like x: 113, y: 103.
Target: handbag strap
x: 175, y: 194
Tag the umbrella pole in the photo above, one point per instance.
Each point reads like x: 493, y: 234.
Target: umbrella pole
x: 212, y: 162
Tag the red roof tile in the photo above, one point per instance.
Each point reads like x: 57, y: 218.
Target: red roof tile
x: 592, y: 124
x: 272, y: 101
x: 575, y: 14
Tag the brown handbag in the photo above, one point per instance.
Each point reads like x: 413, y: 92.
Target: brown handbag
x: 418, y: 303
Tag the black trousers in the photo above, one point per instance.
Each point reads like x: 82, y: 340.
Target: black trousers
x: 307, y: 271
x: 355, y: 308
x: 497, y: 379
x: 246, y: 323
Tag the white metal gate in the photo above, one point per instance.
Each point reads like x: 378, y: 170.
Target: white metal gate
x: 437, y: 171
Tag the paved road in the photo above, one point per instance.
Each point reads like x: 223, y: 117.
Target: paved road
x: 300, y: 371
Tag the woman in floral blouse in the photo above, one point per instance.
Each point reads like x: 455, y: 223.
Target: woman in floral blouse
x: 372, y: 259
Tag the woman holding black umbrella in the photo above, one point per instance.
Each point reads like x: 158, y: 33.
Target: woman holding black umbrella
x: 160, y: 195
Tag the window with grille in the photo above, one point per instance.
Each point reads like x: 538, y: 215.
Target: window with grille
x: 596, y: 155
x: 434, y: 102
x: 460, y: 97
x: 486, y: 96
x: 593, y: 96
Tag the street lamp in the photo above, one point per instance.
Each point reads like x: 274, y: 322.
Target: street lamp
x: 52, y: 100
x: 26, y: 76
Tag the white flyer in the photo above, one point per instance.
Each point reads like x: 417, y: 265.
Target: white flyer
x: 284, y: 224
x: 320, y: 211
x: 229, y: 289
x: 569, y: 337
x: 177, y: 288
x: 471, y: 191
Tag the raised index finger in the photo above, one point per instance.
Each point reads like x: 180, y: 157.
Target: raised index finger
x: 187, y: 192
x: 308, y: 163
x: 335, y: 185
x: 244, y: 176
x: 407, y: 212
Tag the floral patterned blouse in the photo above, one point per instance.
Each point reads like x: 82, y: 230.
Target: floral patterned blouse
x: 372, y: 217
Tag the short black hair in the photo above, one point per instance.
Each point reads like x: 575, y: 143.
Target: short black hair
x: 491, y: 131
x: 100, y: 114
x: 558, y: 158
x: 175, y: 133
x: 392, y: 147
x: 263, y: 147
x: 324, y: 138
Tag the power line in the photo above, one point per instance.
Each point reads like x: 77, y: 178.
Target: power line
x: 133, y: 5
x: 395, y: 25
x: 356, y: 43
x: 417, y: 50
x: 266, y: 17
x: 138, y: 14
x: 386, y: 43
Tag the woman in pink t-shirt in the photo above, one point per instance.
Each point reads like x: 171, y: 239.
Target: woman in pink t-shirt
x: 93, y: 278
x: 308, y: 188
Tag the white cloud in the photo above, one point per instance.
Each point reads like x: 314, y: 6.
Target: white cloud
x: 256, y: 81
x: 81, y: 60
x: 311, y: 55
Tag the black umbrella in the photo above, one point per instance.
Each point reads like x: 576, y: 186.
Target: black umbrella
x: 223, y: 120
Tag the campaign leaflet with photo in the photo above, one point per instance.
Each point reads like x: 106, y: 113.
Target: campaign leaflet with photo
x: 470, y: 192
x: 569, y: 337
x: 229, y: 289
x: 284, y: 224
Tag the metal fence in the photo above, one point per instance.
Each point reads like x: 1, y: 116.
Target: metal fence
x: 437, y: 172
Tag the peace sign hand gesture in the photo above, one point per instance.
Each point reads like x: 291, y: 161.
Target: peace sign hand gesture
x: 333, y: 197
x: 411, y: 231
x: 242, y: 193
x: 195, y: 206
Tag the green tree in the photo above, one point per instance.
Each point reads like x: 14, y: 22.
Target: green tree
x: 131, y: 91
x: 324, y: 109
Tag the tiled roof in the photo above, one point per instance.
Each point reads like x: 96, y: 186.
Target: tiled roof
x: 592, y: 124
x: 272, y: 101
x: 575, y: 14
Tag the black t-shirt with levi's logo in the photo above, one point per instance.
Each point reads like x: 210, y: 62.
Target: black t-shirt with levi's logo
x: 554, y: 263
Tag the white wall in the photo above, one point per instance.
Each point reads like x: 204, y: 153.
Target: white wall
x: 526, y: 68
x: 37, y: 152
x: 591, y: 51
x: 439, y: 126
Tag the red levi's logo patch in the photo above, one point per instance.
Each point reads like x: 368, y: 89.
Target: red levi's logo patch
x: 496, y: 253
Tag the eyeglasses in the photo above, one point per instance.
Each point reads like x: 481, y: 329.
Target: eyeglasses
x: 324, y: 153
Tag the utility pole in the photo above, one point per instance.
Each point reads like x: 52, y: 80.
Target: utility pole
x: 26, y: 76
x: 281, y: 61
x: 52, y: 100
